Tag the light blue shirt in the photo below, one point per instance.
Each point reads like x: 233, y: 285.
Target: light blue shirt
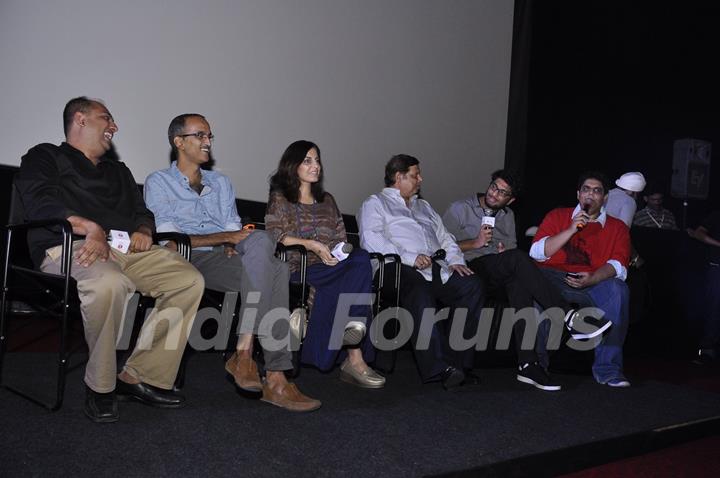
x: 178, y: 208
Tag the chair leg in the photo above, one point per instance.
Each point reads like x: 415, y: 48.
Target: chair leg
x: 3, y: 313
x: 62, y: 358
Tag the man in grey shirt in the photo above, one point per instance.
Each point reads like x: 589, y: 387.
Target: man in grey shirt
x: 484, y: 227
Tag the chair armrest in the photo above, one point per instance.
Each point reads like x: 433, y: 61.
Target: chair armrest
x: 63, y: 223
x: 396, y: 279
x: 182, y: 240
x: 67, y: 238
x: 281, y: 250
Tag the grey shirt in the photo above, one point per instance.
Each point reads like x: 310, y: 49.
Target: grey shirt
x: 463, y: 219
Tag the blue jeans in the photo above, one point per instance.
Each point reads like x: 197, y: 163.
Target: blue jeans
x: 611, y: 296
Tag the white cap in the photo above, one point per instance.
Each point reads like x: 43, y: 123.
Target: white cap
x: 632, y: 182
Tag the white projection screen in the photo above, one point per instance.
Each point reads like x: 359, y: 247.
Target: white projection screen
x: 364, y: 79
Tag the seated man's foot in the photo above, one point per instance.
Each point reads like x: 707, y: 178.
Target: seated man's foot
x: 149, y: 395
x: 245, y: 372
x: 101, y: 407
x: 354, y: 333
x: 287, y: 396
x: 533, y: 374
x: 617, y: 382
x: 364, y: 377
x: 592, y: 327
x: 452, y: 378
x: 471, y: 378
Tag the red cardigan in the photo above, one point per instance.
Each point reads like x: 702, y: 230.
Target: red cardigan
x: 589, y: 249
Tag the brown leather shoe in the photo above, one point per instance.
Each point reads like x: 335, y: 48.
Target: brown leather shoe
x: 245, y: 372
x: 289, y: 398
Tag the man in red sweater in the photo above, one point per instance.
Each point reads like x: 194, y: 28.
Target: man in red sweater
x: 585, y: 252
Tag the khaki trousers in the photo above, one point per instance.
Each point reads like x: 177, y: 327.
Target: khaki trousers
x: 105, y: 288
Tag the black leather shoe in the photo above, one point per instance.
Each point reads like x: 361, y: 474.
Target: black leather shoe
x: 101, y: 407
x: 471, y: 378
x: 149, y: 395
x: 452, y: 378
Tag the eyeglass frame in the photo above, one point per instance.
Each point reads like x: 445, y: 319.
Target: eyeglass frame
x: 502, y: 192
x: 201, y: 135
x: 596, y: 191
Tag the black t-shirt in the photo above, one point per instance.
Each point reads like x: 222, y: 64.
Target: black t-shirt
x: 56, y: 182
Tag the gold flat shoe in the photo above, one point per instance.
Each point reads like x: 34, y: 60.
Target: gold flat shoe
x: 367, y: 378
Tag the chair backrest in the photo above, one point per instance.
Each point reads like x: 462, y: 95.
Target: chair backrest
x: 20, y: 252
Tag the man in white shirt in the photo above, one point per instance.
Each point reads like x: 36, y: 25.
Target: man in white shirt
x: 621, y: 200
x: 397, y: 221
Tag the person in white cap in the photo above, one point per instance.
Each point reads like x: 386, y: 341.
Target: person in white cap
x: 621, y: 200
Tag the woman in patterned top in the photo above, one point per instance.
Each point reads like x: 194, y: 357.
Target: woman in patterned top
x: 299, y: 211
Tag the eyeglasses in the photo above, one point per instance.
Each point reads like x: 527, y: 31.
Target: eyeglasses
x: 588, y: 189
x: 502, y: 192
x: 201, y: 135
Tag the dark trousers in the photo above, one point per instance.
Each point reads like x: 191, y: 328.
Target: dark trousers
x: 710, y: 338
x: 418, y: 294
x: 517, y: 274
x: 353, y: 275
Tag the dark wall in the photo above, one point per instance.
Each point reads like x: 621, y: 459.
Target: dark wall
x: 611, y: 85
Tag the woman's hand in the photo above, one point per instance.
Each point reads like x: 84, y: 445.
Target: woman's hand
x: 323, y: 252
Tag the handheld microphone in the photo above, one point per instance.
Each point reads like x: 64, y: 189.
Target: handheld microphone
x: 439, y: 255
x: 342, y: 250
x: 586, y: 209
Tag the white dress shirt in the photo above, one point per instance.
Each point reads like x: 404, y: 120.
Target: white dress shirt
x: 389, y: 226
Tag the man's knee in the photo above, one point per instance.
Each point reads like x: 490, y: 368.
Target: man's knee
x: 618, y: 288
x: 195, y: 280
x: 110, y: 285
x: 259, y: 242
x: 418, y: 296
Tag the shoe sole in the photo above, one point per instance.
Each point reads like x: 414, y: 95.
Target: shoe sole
x: 291, y: 409
x: 618, y: 385
x: 347, y: 378
x: 590, y: 335
x: 547, y: 388
x: 102, y: 420
x: 127, y: 398
x: 353, y: 336
x: 254, y: 388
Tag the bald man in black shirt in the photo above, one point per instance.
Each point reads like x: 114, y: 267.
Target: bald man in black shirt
x: 78, y: 182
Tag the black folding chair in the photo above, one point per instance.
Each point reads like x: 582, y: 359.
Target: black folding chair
x: 53, y: 297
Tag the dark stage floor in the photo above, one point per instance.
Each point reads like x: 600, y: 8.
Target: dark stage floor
x: 407, y: 429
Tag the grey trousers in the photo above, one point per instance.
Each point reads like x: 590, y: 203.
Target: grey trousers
x: 105, y: 289
x: 255, y: 271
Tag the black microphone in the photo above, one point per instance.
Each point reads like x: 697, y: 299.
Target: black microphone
x: 439, y: 255
x: 586, y: 208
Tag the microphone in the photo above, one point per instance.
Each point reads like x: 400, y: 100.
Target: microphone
x: 586, y: 209
x: 342, y: 250
x: 439, y: 255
